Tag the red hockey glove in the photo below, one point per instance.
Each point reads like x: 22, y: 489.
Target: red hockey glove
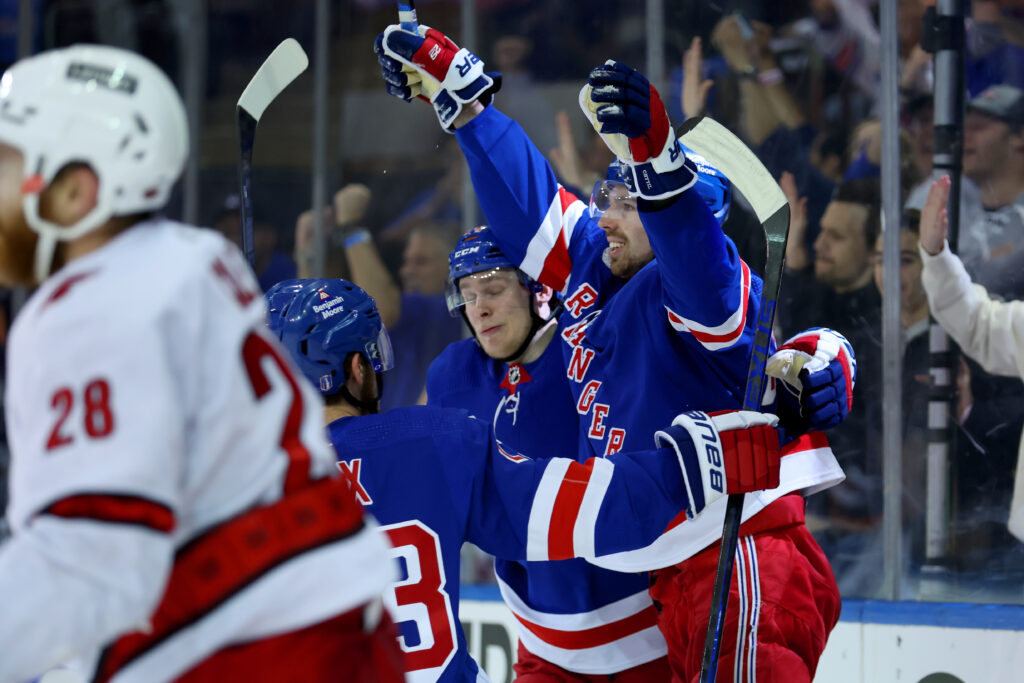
x: 430, y: 66
x: 733, y: 451
x: 818, y: 370
x: 627, y: 112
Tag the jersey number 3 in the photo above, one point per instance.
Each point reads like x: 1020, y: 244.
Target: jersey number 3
x: 98, y: 418
x: 420, y: 597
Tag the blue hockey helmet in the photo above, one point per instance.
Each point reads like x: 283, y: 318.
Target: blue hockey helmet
x: 279, y: 299
x: 477, y: 252
x: 321, y: 321
x: 711, y: 184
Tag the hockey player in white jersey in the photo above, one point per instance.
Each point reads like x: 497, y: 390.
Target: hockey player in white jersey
x: 173, y: 504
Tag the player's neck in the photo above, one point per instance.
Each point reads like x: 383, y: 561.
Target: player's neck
x: 338, y: 411
x: 540, y: 342
x: 1003, y: 187
x: 93, y: 240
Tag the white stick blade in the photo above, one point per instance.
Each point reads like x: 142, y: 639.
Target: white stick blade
x: 731, y: 156
x: 283, y: 66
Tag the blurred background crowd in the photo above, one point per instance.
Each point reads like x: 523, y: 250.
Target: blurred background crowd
x: 799, y: 81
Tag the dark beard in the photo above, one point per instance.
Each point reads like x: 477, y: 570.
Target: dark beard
x: 368, y: 390
x: 17, y: 252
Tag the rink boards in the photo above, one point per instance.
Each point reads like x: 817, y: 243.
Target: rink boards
x: 874, y: 641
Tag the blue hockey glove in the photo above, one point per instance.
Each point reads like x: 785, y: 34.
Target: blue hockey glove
x: 732, y: 451
x: 428, y: 65
x: 628, y: 114
x: 818, y: 370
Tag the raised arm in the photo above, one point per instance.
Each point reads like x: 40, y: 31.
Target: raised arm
x: 539, y: 223
x: 989, y: 331
x: 707, y: 289
x: 364, y: 262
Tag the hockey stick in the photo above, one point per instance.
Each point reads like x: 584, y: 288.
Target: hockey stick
x: 283, y: 66
x: 407, y: 15
x: 727, y: 152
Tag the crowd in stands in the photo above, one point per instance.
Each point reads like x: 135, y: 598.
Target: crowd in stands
x: 801, y: 86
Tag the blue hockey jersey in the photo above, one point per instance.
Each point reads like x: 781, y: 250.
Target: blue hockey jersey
x: 678, y: 335
x: 577, y: 615
x: 435, y: 477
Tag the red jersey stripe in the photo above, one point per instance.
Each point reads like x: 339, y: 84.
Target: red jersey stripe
x: 596, y: 636
x: 117, y: 508
x: 728, y: 336
x: 558, y: 264
x: 567, y: 509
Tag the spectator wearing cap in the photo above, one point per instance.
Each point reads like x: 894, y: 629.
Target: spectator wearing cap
x: 992, y: 245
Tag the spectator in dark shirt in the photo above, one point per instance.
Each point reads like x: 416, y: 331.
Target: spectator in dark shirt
x: 836, y: 290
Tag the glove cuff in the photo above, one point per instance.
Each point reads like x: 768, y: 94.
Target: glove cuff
x: 703, y: 468
x: 644, y: 180
x: 672, y: 437
x: 448, y: 104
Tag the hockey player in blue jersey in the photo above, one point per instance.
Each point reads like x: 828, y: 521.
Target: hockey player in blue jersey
x: 639, y: 337
x: 518, y: 382
x: 435, y: 477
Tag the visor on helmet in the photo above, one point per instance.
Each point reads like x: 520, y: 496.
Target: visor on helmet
x: 608, y: 195
x: 380, y: 353
x: 491, y: 285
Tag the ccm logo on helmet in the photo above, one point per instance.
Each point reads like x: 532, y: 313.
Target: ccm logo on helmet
x: 465, y: 252
x: 706, y: 436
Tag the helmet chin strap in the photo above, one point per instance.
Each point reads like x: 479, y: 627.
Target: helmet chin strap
x: 49, y: 233
x: 367, y: 407
x: 536, y: 323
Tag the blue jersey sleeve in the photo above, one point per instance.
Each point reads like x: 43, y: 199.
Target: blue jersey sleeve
x: 554, y: 509
x: 708, y: 291
x: 541, y: 226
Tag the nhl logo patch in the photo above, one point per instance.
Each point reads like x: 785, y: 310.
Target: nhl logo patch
x: 515, y: 376
x: 325, y: 383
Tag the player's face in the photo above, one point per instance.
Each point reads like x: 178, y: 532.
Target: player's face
x: 498, y: 310
x: 988, y: 145
x: 424, y: 264
x: 17, y: 241
x: 628, y: 247
x: 841, y: 257
x: 913, y: 299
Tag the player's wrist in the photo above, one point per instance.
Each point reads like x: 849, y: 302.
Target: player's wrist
x: 347, y: 235
x: 354, y: 237
x: 646, y: 183
x: 469, y: 112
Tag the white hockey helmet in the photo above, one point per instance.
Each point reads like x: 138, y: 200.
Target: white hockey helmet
x: 106, y: 107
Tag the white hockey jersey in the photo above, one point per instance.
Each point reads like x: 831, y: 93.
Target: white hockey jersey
x: 156, y: 432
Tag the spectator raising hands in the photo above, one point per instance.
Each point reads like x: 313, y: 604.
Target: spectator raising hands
x: 695, y: 87
x: 797, y: 256
x: 989, y: 331
x: 934, y: 217
x: 566, y: 158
